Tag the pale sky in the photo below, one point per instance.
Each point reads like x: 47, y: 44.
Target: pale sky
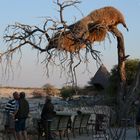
x: 31, y: 73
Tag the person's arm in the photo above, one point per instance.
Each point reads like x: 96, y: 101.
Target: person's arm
x: 8, y: 105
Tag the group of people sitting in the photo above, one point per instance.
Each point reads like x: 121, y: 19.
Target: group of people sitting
x: 17, y: 110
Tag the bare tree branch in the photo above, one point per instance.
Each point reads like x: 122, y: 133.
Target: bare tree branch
x: 63, y: 46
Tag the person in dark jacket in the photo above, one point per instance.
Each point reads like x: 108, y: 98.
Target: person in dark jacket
x: 11, y: 109
x: 47, y: 115
x: 21, y: 116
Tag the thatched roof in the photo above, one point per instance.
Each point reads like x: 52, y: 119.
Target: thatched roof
x: 101, y: 77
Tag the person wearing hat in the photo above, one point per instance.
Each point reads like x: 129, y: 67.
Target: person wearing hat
x: 46, y: 117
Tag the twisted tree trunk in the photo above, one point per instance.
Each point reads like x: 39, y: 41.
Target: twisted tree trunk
x: 125, y: 97
x: 120, y: 132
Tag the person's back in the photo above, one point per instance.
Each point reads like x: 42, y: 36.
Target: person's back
x: 47, y: 115
x: 10, y: 106
x: 23, y: 109
x: 47, y: 111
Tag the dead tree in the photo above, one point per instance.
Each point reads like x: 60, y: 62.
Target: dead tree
x: 64, y: 43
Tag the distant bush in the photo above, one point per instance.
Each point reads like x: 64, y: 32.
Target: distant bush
x: 37, y: 94
x: 67, y: 92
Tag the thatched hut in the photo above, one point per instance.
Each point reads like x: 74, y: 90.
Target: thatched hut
x: 101, y: 78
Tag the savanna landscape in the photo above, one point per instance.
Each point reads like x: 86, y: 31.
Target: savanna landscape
x: 66, y: 45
